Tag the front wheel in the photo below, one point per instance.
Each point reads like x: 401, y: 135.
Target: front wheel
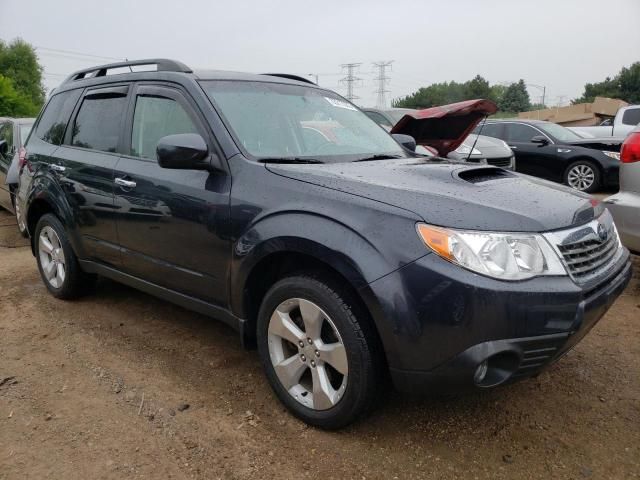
x: 317, y: 351
x: 583, y: 176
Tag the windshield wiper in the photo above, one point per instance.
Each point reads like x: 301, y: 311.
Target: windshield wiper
x: 378, y: 157
x: 288, y: 160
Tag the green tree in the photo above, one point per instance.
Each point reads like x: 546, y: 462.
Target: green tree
x: 19, y: 64
x: 515, y: 98
x: 14, y: 103
x: 477, y: 88
x: 625, y: 86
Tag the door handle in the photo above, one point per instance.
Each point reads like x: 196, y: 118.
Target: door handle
x: 513, y: 147
x: 125, y: 183
x: 57, y: 168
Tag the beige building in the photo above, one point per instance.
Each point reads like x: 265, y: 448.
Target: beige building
x: 581, y: 114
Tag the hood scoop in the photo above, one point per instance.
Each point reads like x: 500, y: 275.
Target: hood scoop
x: 484, y: 174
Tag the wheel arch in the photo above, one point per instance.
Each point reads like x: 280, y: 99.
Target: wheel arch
x: 48, y: 197
x: 277, y: 265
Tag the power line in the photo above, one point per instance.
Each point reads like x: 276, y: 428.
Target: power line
x: 383, y: 81
x: 57, y: 51
x: 350, y: 79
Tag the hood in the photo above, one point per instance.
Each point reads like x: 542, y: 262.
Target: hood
x: 444, y: 128
x: 454, y: 194
x: 608, y: 143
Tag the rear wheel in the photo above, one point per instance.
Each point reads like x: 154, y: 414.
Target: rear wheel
x: 584, y: 176
x: 58, y: 265
x: 316, y: 353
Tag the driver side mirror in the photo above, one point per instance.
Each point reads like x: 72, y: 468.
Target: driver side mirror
x: 540, y: 140
x: 185, y: 151
x: 4, y: 148
x: 407, y: 141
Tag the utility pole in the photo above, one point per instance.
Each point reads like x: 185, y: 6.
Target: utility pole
x: 383, y: 81
x: 350, y: 79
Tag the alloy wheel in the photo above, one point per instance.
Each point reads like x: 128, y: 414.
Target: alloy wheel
x: 581, y: 177
x: 51, y: 256
x: 307, y: 354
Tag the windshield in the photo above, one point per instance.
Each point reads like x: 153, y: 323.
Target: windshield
x: 273, y: 120
x: 558, y: 131
x: 25, y: 128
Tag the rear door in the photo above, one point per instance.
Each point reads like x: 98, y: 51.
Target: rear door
x: 84, y: 165
x: 170, y: 222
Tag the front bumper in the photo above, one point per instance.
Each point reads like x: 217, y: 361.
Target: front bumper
x: 441, y: 322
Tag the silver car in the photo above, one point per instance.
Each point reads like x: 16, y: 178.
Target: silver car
x: 625, y: 205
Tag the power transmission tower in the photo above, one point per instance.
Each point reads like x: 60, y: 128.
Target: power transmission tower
x: 383, y: 81
x: 350, y: 79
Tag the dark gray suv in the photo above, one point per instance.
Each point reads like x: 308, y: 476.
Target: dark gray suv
x: 281, y: 209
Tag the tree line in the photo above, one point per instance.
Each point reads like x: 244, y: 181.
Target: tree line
x: 509, y: 98
x: 22, y: 92
x: 514, y: 98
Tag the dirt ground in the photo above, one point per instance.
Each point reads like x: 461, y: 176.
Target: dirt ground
x: 124, y: 385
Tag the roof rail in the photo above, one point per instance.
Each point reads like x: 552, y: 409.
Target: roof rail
x: 162, y: 65
x: 290, y: 77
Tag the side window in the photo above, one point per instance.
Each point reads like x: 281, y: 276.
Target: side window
x: 156, y: 117
x: 631, y: 116
x: 490, y: 130
x: 6, y: 134
x: 98, y: 122
x: 516, y: 132
x: 55, y: 117
x: 379, y: 119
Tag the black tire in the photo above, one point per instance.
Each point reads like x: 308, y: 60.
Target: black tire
x: 597, y: 176
x: 76, y: 282
x: 363, y: 353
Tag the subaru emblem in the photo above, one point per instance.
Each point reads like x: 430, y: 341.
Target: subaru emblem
x: 602, y: 232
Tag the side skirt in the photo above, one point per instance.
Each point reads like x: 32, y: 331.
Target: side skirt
x: 180, y: 299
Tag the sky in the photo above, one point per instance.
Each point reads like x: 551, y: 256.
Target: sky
x: 559, y: 44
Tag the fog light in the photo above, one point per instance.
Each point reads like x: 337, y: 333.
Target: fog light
x: 481, y: 372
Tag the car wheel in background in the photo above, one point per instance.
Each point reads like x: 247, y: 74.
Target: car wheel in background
x: 58, y: 265
x: 583, y: 175
x: 317, y: 351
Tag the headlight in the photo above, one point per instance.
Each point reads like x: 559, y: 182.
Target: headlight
x: 614, y: 155
x: 466, y: 150
x: 505, y: 256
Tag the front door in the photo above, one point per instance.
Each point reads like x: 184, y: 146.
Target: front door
x: 531, y: 158
x: 171, y: 222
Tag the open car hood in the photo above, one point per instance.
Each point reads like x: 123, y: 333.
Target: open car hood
x: 444, y: 128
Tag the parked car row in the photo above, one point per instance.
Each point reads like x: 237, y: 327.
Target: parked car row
x: 280, y: 208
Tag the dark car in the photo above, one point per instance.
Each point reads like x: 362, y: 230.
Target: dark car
x: 13, y: 133
x: 551, y: 151
x: 473, y: 148
x: 281, y: 209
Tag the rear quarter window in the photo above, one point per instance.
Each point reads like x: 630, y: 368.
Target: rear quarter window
x: 55, y: 117
x: 631, y: 116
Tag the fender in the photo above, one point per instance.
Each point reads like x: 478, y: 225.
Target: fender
x: 46, y: 189
x: 323, y: 238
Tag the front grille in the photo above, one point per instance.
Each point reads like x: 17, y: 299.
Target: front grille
x: 585, y: 258
x: 499, y: 162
